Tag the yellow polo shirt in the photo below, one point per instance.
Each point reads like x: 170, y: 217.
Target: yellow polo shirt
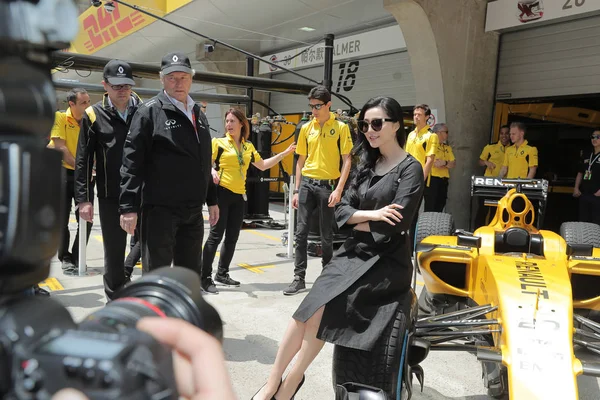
x: 442, y: 152
x: 493, y: 153
x: 232, y: 168
x: 519, y: 160
x: 323, y: 147
x: 66, y: 128
x: 422, y: 144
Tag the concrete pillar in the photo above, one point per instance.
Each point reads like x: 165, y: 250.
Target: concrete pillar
x: 454, y: 65
x: 228, y: 61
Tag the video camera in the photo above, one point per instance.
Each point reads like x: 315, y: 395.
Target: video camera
x: 42, y: 349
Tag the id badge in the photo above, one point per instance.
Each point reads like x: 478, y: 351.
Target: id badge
x: 245, y: 197
x: 588, y: 175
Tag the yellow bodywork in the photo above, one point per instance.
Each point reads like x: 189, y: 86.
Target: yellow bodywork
x: 533, y: 295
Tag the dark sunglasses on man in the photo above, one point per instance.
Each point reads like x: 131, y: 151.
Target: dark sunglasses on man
x: 376, y: 124
x: 316, y: 106
x: 120, y: 87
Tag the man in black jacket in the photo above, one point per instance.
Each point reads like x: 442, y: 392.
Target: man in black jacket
x: 104, y: 128
x: 168, y: 156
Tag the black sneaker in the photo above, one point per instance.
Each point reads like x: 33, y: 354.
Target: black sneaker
x: 208, y: 286
x: 226, y: 280
x: 67, y: 264
x: 295, y: 287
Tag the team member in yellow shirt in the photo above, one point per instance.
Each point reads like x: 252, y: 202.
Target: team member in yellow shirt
x: 232, y: 156
x: 521, y: 159
x: 437, y: 191
x: 492, y: 156
x: 421, y: 144
x: 64, y: 136
x: 322, y: 143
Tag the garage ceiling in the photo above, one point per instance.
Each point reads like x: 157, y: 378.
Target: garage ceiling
x: 258, y: 26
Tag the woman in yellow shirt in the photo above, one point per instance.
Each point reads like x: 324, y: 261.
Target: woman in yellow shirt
x: 232, y: 155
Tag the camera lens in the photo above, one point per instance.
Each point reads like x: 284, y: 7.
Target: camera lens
x: 164, y: 292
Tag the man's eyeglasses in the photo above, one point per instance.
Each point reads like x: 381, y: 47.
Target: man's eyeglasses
x: 316, y: 106
x: 120, y: 87
x: 595, y: 137
x: 376, y: 124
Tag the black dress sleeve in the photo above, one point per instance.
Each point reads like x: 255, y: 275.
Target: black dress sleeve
x: 346, y: 208
x: 408, y: 195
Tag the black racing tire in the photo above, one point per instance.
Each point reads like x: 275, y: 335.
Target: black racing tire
x: 378, y: 367
x: 581, y: 233
x: 434, y: 224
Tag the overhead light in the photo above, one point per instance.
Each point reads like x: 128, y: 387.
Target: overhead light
x: 306, y: 29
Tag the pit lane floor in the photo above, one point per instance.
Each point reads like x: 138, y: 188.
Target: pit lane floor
x: 256, y: 314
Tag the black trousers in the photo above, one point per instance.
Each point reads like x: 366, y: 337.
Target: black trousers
x: 135, y: 250
x: 231, y: 216
x: 172, y: 235
x: 115, y: 240
x: 589, y: 208
x: 311, y: 196
x: 63, y: 251
x: 436, y: 194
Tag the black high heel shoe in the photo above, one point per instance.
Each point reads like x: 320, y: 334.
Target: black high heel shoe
x: 272, y: 397
x: 298, y: 388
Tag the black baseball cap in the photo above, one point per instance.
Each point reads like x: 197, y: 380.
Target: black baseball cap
x: 176, y: 62
x: 118, y: 72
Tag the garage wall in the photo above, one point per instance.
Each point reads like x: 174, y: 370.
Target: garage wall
x: 357, y: 79
x: 552, y: 60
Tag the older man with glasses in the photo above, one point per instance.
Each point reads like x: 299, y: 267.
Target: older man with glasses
x: 166, y: 172
x: 587, y: 182
x: 104, y: 128
x: 437, y: 191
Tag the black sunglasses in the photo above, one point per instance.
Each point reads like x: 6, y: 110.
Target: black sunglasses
x: 595, y: 137
x: 120, y: 87
x: 376, y: 124
x: 316, y: 106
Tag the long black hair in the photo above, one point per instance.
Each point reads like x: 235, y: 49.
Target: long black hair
x: 367, y: 155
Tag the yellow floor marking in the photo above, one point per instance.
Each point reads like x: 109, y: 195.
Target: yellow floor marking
x: 263, y: 235
x: 419, y: 283
x: 257, y: 269
x: 139, y: 264
x: 99, y: 238
x: 52, y: 284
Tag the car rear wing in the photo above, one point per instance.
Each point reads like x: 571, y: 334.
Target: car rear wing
x: 486, y: 191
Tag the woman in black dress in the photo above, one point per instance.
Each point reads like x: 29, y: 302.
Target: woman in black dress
x: 357, y: 294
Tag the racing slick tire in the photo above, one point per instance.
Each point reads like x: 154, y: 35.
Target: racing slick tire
x: 379, y: 367
x: 434, y: 224
x: 581, y: 233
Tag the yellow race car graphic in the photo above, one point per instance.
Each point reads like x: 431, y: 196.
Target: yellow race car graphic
x: 518, y: 297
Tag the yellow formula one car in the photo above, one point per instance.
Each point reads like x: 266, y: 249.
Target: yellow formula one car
x: 518, y: 297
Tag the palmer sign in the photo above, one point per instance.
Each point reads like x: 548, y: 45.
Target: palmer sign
x: 355, y: 46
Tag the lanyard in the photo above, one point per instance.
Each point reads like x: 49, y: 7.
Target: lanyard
x: 194, y: 124
x: 240, y: 156
x: 589, y: 168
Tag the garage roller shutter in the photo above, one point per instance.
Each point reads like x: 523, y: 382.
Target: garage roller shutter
x: 359, y: 80
x: 553, y: 60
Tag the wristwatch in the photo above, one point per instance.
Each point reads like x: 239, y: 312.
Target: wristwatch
x: 295, y: 191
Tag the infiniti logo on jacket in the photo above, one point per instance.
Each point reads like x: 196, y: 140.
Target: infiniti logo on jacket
x: 172, y: 124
